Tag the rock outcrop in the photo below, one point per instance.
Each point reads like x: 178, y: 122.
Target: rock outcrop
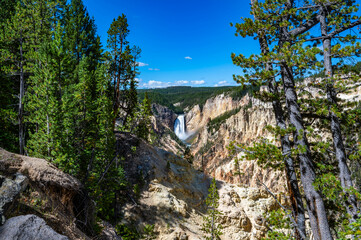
x: 244, y: 127
x: 164, y: 115
x: 28, y: 227
x: 198, y: 117
x: 10, y: 189
x: 62, y: 199
x: 163, y: 125
x: 174, y: 193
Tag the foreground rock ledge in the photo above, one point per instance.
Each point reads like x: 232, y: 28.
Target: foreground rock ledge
x: 65, y: 192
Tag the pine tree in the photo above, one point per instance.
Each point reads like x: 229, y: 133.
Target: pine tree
x: 188, y: 155
x: 27, y: 28
x: 262, y: 70
x: 342, y: 11
x: 132, y: 94
x: 123, y: 69
x: 8, y: 84
x: 45, y: 103
x: 210, y: 227
x: 18, y: 33
x: 80, y: 33
x: 142, y: 123
x: 281, y: 29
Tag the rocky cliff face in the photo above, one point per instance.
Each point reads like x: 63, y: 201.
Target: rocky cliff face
x: 247, y: 125
x: 163, y: 125
x: 164, y: 115
x: 173, y: 198
x: 198, y: 116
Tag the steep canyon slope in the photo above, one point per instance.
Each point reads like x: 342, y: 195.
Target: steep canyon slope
x: 174, y: 193
x: 223, y: 120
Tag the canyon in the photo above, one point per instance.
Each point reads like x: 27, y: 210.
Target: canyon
x: 246, y: 124
x: 172, y: 189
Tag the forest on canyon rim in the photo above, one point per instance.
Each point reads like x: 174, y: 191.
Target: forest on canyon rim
x: 69, y: 100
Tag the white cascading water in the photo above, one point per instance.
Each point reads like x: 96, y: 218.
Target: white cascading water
x: 180, y: 128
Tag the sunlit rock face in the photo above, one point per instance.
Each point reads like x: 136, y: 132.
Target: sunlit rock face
x: 174, y: 193
x: 198, y: 117
x: 209, y: 147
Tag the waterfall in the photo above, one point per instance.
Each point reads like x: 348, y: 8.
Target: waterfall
x: 180, y: 127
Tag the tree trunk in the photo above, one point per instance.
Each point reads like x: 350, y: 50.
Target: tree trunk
x: 345, y: 174
x: 315, y: 205
x: 298, y: 211
x: 47, y: 123
x: 21, y: 99
x: 213, y: 213
x: 296, y: 197
x: 117, y: 79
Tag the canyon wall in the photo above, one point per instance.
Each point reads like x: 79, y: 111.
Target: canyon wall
x: 209, y: 145
x: 163, y: 125
x: 198, y: 116
x: 174, y: 193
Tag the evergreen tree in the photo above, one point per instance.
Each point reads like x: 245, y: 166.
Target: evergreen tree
x: 262, y: 70
x: 188, y: 155
x: 142, y: 123
x: 123, y: 69
x: 80, y: 34
x: 25, y: 30
x: 267, y: 76
x: 334, y: 20
x: 281, y: 29
x: 8, y: 84
x: 45, y: 103
x: 210, y: 227
x: 53, y: 60
x: 18, y: 34
x: 132, y: 94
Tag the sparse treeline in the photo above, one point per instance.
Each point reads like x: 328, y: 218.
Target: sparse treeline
x: 317, y: 132
x: 61, y: 93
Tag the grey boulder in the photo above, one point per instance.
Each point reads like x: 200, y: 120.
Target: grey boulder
x: 28, y: 227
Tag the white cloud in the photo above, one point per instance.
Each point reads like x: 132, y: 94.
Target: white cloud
x: 141, y: 64
x: 156, y: 84
x: 181, y: 82
x: 153, y: 69
x: 198, y: 82
x: 188, y: 57
x: 221, y: 83
x: 159, y: 84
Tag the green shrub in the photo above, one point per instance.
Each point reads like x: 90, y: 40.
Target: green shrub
x: 127, y: 232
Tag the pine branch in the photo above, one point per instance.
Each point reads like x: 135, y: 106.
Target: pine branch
x: 305, y: 27
x: 289, y: 215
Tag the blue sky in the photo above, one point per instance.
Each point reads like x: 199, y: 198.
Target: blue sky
x: 186, y: 42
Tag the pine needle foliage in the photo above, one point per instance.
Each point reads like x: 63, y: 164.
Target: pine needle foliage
x: 210, y: 226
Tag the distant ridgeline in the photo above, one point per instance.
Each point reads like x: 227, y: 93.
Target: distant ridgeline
x: 185, y: 97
